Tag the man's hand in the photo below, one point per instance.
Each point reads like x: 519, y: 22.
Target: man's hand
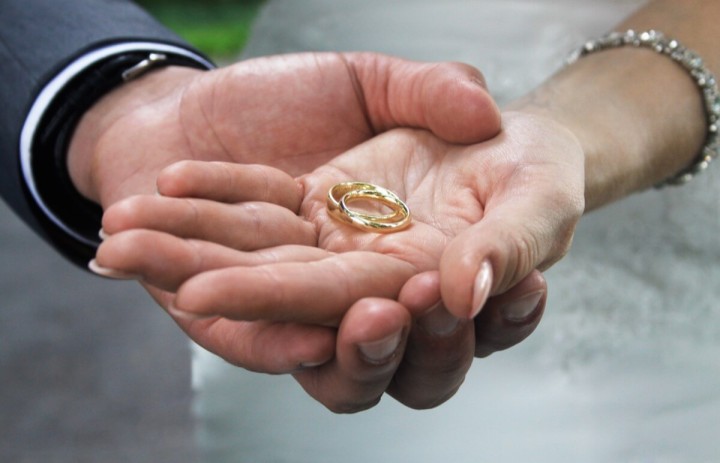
x: 292, y: 112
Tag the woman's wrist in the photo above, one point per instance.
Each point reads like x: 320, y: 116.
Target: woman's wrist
x: 638, y: 116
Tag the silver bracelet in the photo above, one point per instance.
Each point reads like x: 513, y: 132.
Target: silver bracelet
x: 694, y: 65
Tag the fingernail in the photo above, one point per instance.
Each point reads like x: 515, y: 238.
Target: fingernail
x: 103, y: 234
x: 522, y: 309
x: 439, y: 322
x: 109, y: 272
x: 481, y: 288
x: 380, y: 351
x: 183, y: 315
x: 311, y: 364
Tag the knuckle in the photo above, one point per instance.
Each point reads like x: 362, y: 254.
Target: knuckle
x: 227, y: 176
x: 523, y: 256
x: 253, y: 226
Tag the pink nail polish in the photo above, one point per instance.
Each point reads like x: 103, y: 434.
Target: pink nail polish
x: 183, y: 315
x: 481, y: 288
x: 109, y: 272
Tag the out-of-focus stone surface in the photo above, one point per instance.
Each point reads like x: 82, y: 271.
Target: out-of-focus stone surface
x: 90, y: 369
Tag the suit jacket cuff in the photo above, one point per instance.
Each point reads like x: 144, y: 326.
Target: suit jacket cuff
x: 70, y: 221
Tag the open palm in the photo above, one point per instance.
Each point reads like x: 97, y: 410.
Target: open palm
x: 293, y: 113
x: 512, y: 202
x: 508, y: 205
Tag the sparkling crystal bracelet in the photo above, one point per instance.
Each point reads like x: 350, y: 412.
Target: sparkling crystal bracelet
x: 694, y: 65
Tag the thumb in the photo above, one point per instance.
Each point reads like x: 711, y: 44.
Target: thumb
x: 449, y: 99
x: 501, y: 250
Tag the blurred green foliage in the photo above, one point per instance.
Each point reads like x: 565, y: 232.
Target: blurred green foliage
x: 219, y: 28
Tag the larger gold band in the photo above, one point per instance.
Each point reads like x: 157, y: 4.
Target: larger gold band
x: 341, y: 195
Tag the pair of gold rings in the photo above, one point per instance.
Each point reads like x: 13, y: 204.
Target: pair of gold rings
x: 341, y: 195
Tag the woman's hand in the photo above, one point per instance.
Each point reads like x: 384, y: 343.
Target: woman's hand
x: 485, y: 215
x: 504, y: 208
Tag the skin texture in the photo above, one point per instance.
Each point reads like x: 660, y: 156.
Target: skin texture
x: 321, y: 105
x: 449, y: 188
x: 638, y: 115
x: 472, y: 192
x: 591, y: 117
x: 301, y: 111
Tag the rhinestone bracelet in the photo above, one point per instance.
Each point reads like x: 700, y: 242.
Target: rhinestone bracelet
x: 694, y: 65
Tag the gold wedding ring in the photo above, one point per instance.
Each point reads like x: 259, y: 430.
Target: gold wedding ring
x: 341, y: 195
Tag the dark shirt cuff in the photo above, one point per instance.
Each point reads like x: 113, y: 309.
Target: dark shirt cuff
x: 71, y: 221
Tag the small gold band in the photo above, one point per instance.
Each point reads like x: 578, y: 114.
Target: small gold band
x: 342, y: 194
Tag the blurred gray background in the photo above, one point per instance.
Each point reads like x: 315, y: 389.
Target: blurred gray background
x: 91, y: 370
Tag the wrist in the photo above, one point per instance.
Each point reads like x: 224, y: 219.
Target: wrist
x: 68, y: 218
x: 90, y: 155
x: 637, y: 115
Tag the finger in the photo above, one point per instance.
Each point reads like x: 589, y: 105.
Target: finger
x: 265, y: 347
x: 509, y: 318
x: 500, y: 250
x: 450, y: 99
x: 230, y: 183
x: 262, y: 346
x: 439, y: 349
x: 313, y: 292
x: 369, y: 348
x: 528, y: 223
x: 166, y: 261
x: 245, y: 226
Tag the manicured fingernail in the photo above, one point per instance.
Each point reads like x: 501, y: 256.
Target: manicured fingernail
x: 183, y: 315
x: 109, y: 272
x: 522, y: 309
x: 103, y: 234
x: 439, y: 322
x: 481, y: 288
x: 382, y: 350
